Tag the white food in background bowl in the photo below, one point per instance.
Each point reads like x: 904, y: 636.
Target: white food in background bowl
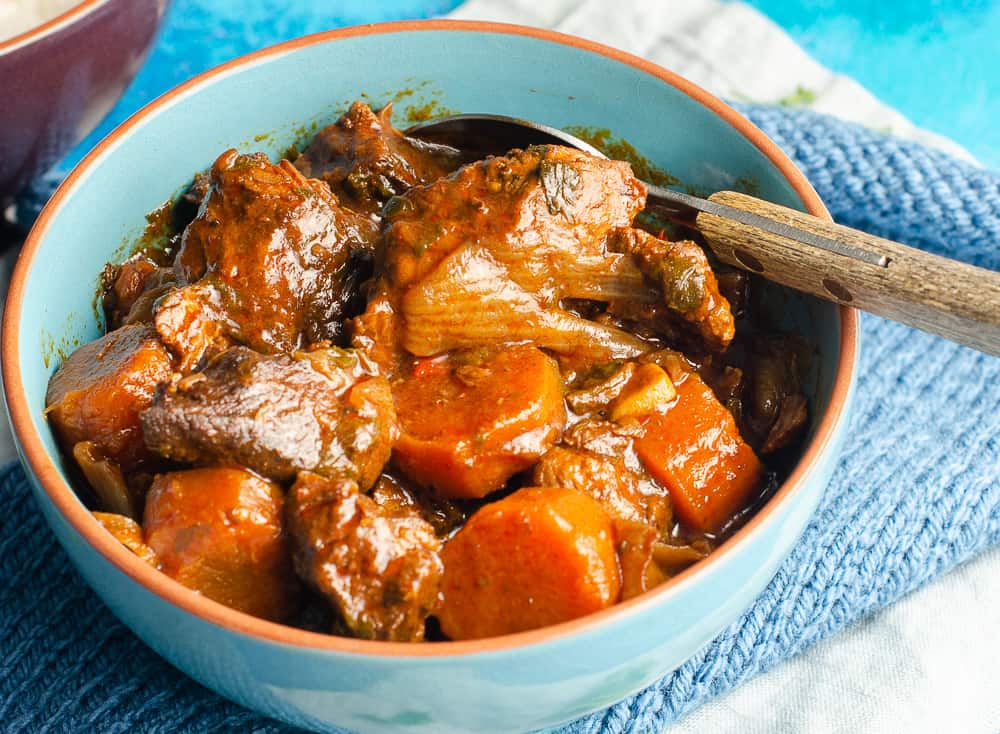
x: 18, y: 16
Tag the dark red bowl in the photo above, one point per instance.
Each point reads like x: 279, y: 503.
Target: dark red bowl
x: 58, y: 80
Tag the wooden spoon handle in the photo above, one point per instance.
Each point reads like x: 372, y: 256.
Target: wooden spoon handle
x: 945, y: 297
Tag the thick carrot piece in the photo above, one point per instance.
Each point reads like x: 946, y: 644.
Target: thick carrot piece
x: 99, y: 391
x: 696, y: 452
x: 540, y: 556
x: 469, y: 424
x: 129, y: 533
x: 220, y: 531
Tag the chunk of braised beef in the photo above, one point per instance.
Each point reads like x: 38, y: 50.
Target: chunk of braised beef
x: 598, y: 457
x: 324, y: 411
x: 691, y: 300
x: 366, y: 161
x: 281, y: 259
x: 194, y: 322
x: 788, y: 426
x: 626, y: 493
x: 377, y: 564
x: 129, y: 289
x: 187, y: 206
x: 488, y: 253
x: 396, y: 495
x: 775, y: 410
x: 735, y: 286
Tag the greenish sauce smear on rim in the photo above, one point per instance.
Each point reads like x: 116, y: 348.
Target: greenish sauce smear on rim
x: 622, y: 150
x: 55, y: 350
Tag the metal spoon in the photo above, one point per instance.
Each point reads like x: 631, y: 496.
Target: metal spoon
x: 939, y: 295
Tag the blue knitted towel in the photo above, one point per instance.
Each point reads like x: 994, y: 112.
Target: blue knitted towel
x: 916, y: 491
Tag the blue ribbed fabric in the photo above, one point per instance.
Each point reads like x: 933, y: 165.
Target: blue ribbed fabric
x: 917, y: 490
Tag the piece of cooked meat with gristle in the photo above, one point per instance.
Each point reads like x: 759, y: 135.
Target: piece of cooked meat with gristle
x: 366, y: 161
x: 326, y: 411
x: 131, y: 289
x: 691, y: 299
x: 271, y: 261
x: 598, y: 457
x: 377, y: 563
x: 489, y: 252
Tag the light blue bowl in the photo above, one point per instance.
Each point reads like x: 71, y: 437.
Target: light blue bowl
x: 270, y: 99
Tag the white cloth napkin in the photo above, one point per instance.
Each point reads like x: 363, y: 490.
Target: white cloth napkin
x: 927, y: 664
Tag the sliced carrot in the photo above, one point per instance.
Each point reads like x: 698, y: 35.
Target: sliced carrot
x: 469, y: 424
x: 538, y: 557
x: 99, y: 391
x: 220, y: 531
x: 696, y: 452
